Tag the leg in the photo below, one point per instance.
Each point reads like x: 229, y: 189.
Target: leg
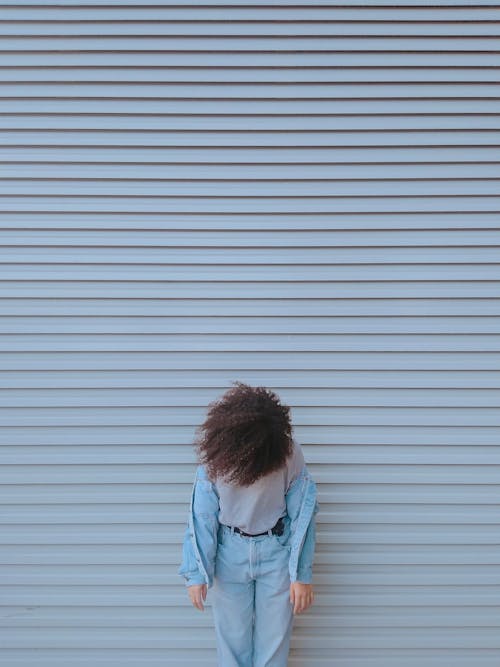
x: 273, y: 609
x: 233, y: 606
x: 233, y: 595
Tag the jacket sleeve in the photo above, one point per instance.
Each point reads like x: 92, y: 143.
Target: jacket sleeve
x: 304, y: 568
x: 189, y: 568
x: 302, y: 506
x: 200, y: 537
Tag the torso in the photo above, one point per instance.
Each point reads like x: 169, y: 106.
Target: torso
x: 256, y: 508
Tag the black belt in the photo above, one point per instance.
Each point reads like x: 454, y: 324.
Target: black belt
x: 277, y: 529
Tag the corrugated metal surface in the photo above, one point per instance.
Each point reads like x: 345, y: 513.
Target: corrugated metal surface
x: 301, y: 196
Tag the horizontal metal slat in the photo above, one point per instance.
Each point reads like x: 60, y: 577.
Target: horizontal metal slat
x: 257, y: 12
x: 262, y: 174
x: 452, y: 370
x: 375, y: 434
x: 106, y: 369
x: 338, y: 596
x: 395, y: 396
x: 170, y: 306
x: 357, y: 4
x: 255, y: 92
x: 347, y: 473
x: 286, y: 273
x: 338, y: 516
x: 387, y: 41
x: 253, y: 254
x: 297, y: 191
x: 206, y: 657
x: 261, y: 60
x: 113, y: 636
x: 215, y: 155
x: 297, y: 72
x: 153, y: 617
x: 172, y: 454
x: 258, y: 26
x: 244, y: 107
x: 242, y: 124
x: 432, y: 137
x: 151, y: 575
x: 243, y: 290
x: 100, y: 205
x: 307, y: 344
x: 167, y: 555
x: 191, y: 416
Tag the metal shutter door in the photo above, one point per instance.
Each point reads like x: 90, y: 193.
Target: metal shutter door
x: 301, y: 196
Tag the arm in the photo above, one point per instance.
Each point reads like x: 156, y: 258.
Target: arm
x: 189, y: 568
x: 304, y: 569
x: 302, y: 507
x: 301, y: 590
x: 200, y: 537
x: 194, y: 580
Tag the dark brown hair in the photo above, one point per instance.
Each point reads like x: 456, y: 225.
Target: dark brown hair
x: 247, y: 434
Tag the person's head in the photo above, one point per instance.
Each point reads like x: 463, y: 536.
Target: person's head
x: 247, y: 434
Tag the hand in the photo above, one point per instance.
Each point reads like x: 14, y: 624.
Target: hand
x: 301, y: 596
x: 197, y: 593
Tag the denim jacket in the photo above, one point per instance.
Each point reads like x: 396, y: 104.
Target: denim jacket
x: 200, y: 538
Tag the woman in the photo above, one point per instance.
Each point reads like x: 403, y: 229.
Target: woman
x: 250, y: 534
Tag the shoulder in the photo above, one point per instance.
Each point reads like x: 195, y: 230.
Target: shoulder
x: 295, y: 463
x: 201, y: 472
x: 203, y: 481
x: 205, y: 496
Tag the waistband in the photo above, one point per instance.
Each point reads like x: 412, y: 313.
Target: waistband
x: 277, y: 529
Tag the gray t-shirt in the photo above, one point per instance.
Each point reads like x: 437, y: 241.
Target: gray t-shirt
x: 257, y: 507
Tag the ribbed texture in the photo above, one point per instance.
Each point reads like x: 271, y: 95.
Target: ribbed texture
x: 300, y: 196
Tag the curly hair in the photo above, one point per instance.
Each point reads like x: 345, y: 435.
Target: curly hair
x: 247, y: 434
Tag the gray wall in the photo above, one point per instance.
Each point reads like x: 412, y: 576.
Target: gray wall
x: 304, y: 197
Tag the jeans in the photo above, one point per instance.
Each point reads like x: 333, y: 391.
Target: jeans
x: 251, y: 605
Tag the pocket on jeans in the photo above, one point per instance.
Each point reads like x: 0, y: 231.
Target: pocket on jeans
x: 283, y: 541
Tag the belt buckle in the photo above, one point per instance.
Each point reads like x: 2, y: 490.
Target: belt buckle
x: 277, y: 529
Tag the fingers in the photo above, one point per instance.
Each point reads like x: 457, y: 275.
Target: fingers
x: 299, y: 604
x: 193, y: 595
x: 197, y: 594
x: 302, y: 601
x: 198, y: 601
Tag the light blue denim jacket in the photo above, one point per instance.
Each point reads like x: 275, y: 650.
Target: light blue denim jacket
x: 200, y: 538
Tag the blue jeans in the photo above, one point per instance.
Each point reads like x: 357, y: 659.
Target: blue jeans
x: 251, y: 604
